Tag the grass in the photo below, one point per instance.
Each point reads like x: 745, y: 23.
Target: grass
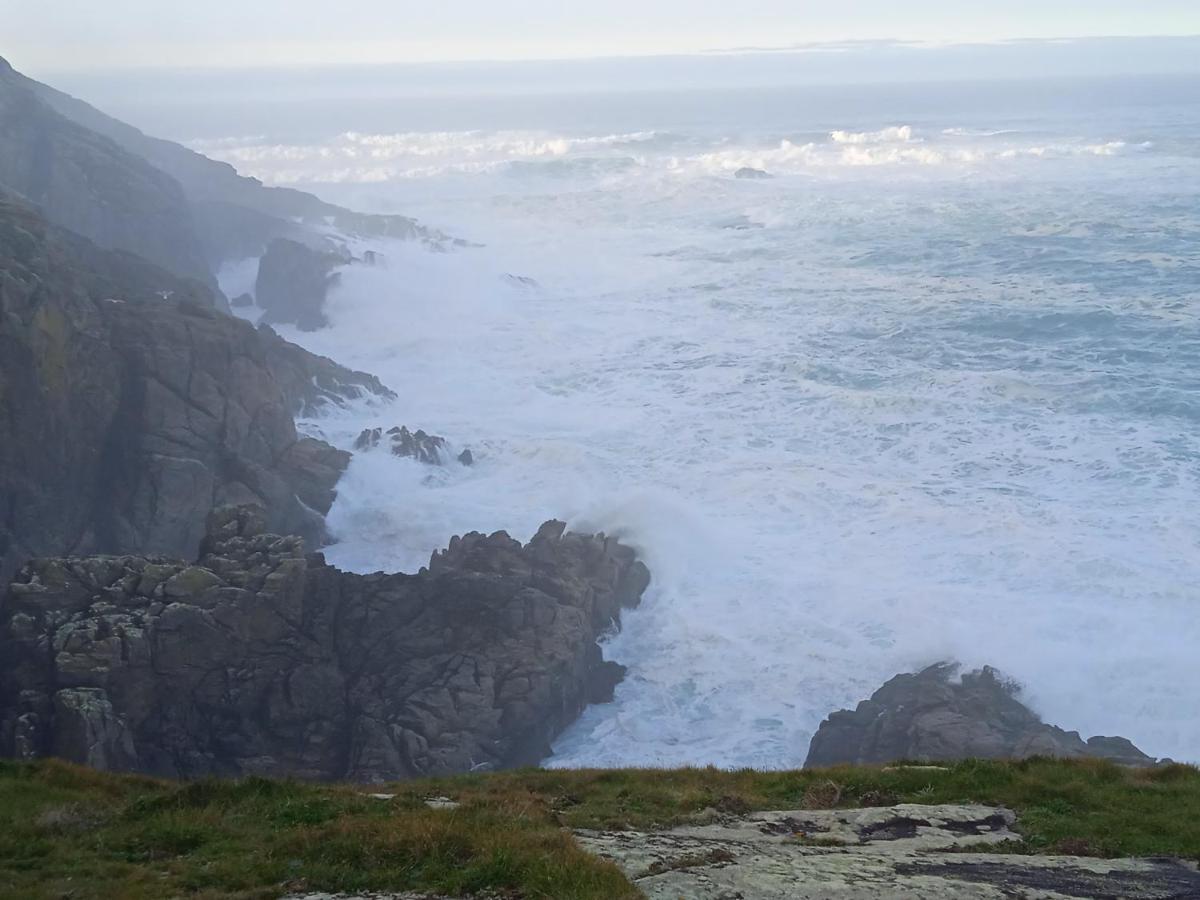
x: 69, y: 833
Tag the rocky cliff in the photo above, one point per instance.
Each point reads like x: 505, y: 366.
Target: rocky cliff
x: 261, y: 658
x: 129, y: 407
x: 234, y: 216
x: 86, y: 182
x: 934, y: 716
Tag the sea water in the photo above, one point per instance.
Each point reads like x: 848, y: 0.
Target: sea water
x: 931, y: 390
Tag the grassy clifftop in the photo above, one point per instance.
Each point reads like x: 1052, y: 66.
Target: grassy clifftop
x: 68, y: 832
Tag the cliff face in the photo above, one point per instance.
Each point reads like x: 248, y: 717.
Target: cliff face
x: 262, y: 659
x: 129, y: 407
x: 235, y: 216
x: 81, y: 180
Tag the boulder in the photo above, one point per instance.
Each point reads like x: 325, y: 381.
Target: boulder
x: 933, y: 716
x: 242, y: 301
x: 262, y: 659
x: 752, y: 174
x: 293, y: 282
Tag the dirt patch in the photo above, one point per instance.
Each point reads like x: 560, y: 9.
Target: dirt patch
x: 790, y: 826
x: 715, y: 857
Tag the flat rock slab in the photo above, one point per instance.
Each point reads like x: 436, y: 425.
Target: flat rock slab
x: 885, y: 853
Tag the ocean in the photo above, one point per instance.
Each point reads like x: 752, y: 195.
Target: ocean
x: 926, y: 388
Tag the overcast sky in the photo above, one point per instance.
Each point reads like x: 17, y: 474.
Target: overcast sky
x: 61, y: 35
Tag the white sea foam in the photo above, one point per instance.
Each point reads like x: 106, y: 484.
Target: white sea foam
x: 855, y: 422
x: 357, y: 158
x: 895, y: 134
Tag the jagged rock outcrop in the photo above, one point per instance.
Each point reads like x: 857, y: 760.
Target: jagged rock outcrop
x: 931, y: 716
x: 293, y: 282
x: 129, y: 407
x: 261, y: 658
x: 426, y: 448
x: 85, y: 182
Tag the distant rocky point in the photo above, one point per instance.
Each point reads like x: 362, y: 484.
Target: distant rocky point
x: 127, y: 190
x: 932, y: 716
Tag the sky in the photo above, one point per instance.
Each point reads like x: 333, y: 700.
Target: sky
x: 66, y: 35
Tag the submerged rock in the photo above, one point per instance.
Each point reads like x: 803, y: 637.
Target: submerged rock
x: 522, y: 281
x: 931, y: 716
x: 749, y: 173
x: 426, y: 448
x: 262, y: 659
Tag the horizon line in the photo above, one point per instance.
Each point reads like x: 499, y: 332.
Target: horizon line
x: 846, y: 46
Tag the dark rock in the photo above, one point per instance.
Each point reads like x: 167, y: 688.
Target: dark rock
x: 311, y: 383
x: 426, y: 448
x: 262, y: 659
x: 313, y: 467
x: 293, y: 282
x: 522, y: 281
x: 931, y: 717
x: 242, y: 301
x: 749, y: 173
x: 129, y: 407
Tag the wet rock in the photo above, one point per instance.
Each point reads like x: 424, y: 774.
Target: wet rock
x: 312, y: 383
x: 933, y: 716
x: 242, y: 301
x: 293, y: 282
x: 262, y: 659
x: 426, y: 448
x: 522, y: 281
x: 752, y: 174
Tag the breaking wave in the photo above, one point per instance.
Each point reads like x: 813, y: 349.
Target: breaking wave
x: 931, y: 392
x: 894, y: 134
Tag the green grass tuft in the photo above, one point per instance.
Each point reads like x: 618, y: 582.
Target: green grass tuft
x: 69, y: 832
